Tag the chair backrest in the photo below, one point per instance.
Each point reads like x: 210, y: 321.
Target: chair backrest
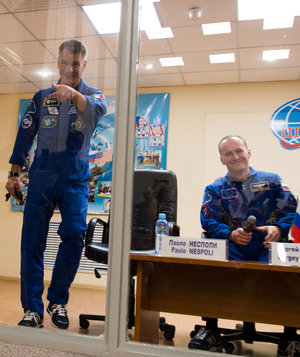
x: 154, y: 192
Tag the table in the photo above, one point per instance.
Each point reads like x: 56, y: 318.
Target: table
x: 234, y: 290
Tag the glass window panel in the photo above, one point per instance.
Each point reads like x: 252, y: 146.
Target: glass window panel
x: 75, y: 137
x: 207, y: 101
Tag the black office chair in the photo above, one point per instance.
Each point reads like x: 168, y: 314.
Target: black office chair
x: 154, y: 191
x: 247, y: 332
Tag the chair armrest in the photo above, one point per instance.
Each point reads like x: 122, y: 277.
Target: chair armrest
x: 91, y: 228
x: 174, y: 229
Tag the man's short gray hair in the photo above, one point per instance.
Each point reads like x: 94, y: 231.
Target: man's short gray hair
x: 74, y: 47
x: 231, y: 137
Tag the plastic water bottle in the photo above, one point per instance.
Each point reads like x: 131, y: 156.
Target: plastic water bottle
x: 161, y: 230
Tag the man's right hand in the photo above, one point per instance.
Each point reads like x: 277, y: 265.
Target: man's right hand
x: 239, y: 236
x: 13, y: 185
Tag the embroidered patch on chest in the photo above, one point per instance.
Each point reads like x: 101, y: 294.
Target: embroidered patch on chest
x: 77, y: 126
x: 72, y: 110
x: 51, y: 102
x: 229, y: 193
x: 260, y: 186
x: 49, y: 122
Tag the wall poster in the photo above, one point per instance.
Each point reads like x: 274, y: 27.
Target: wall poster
x: 150, y: 147
x: 285, y: 124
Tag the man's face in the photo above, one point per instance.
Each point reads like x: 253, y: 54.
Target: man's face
x: 235, y: 156
x: 70, y: 67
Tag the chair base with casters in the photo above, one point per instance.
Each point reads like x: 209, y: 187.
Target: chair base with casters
x: 247, y: 333
x: 84, y: 320
x: 100, y: 256
x: 99, y: 252
x: 168, y: 330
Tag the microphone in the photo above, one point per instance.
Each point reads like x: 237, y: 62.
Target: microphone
x: 249, y: 225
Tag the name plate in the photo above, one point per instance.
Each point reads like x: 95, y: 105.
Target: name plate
x: 285, y: 254
x: 202, y: 248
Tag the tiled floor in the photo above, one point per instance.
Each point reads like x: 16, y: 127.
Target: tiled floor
x: 88, y: 301
x: 93, y: 301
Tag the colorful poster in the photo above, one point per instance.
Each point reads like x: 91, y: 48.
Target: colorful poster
x: 24, y: 179
x: 150, y: 148
x: 285, y: 124
x: 152, y: 131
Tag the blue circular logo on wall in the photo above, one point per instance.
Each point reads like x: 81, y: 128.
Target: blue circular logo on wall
x: 285, y: 124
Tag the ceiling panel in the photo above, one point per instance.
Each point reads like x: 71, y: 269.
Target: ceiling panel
x: 22, y: 87
x: 59, y: 23
x: 32, y: 52
x: 174, y: 13
x: 8, y: 75
x: 191, y: 39
x: 153, y: 47
x: 11, y: 30
x: 2, y: 9
x: 45, y: 83
x: 211, y: 77
x: 153, y: 80
x: 33, y: 71
x: 96, y: 47
x: 91, y: 2
x: 102, y: 83
x: 252, y: 58
x: 157, y: 68
x: 32, y: 30
x: 30, y: 5
x: 251, y: 34
x: 100, y: 68
x: 110, y: 42
x: 199, y: 62
x: 264, y: 75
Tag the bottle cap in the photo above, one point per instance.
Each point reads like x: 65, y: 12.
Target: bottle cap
x: 162, y: 215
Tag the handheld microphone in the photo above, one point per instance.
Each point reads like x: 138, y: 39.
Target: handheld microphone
x: 249, y: 225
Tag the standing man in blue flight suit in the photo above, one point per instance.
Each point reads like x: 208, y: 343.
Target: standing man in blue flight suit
x: 63, y: 117
x: 227, y: 205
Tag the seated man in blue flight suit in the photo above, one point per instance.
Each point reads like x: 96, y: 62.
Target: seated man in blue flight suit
x: 63, y: 117
x: 227, y: 204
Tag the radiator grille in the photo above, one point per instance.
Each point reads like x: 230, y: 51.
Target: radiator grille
x: 53, y: 241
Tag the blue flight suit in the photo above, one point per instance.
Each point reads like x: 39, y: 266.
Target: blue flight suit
x: 58, y: 176
x: 228, y: 202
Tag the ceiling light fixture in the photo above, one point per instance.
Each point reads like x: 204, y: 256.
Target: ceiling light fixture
x: 106, y: 19
x: 150, y: 22
x: 271, y: 55
x: 216, y: 28
x: 44, y: 73
x: 279, y: 22
x: 149, y: 66
x: 276, y: 13
x: 261, y: 9
x: 171, y: 61
x: 222, y: 58
x: 195, y: 13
